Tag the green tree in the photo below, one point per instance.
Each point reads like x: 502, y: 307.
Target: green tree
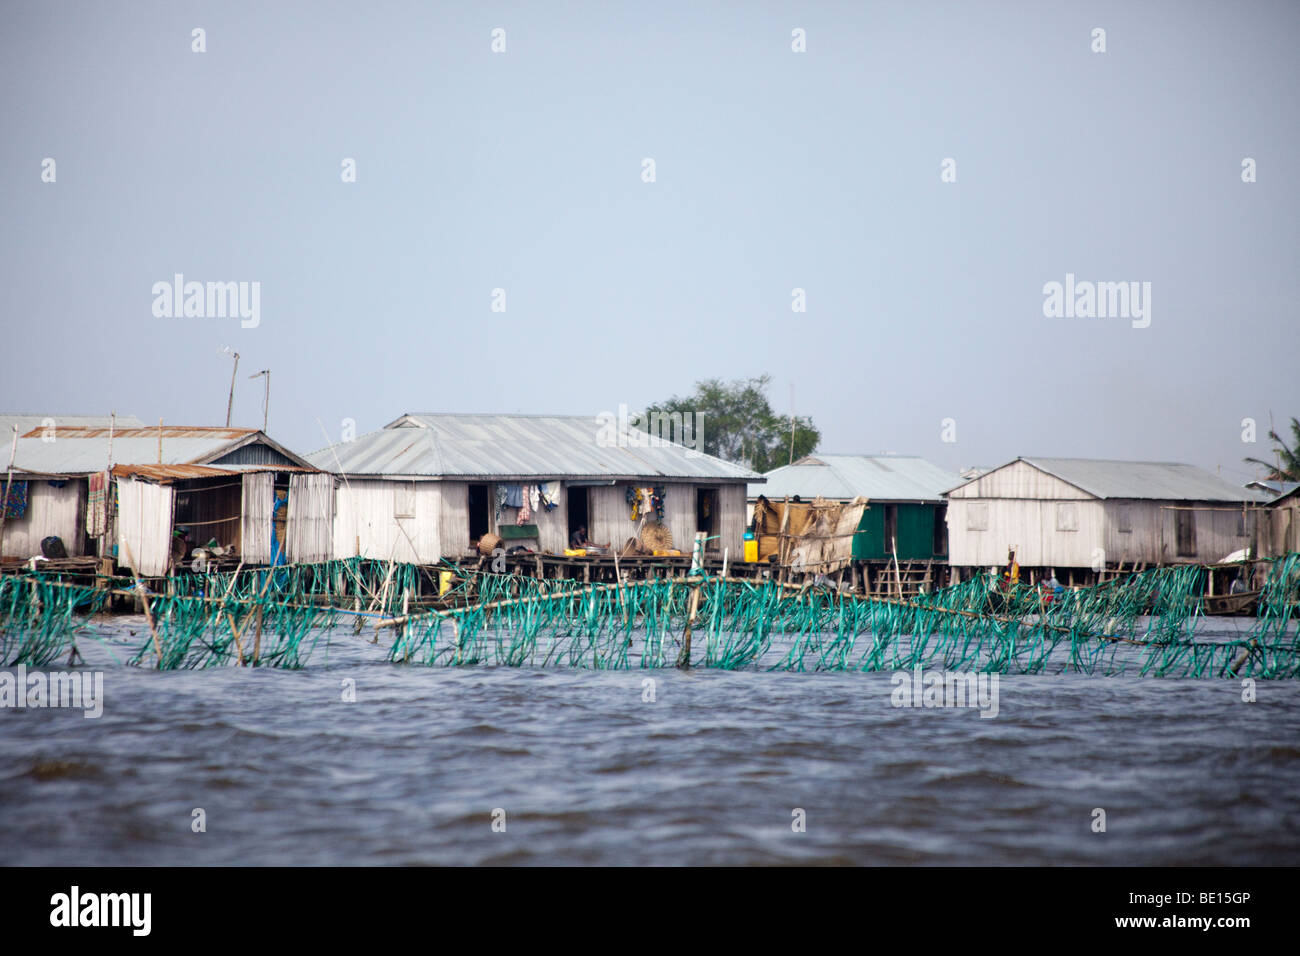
x: 1286, y: 467
x: 738, y: 423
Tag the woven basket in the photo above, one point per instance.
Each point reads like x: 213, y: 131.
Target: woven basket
x: 488, y: 543
x: 655, y: 536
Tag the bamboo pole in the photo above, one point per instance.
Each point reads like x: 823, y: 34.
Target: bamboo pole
x: 144, y: 601
x: 4, y: 504
x: 233, y: 630
x: 684, y: 659
x: 257, y: 639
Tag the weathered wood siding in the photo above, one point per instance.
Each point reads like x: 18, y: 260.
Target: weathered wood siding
x: 607, y: 515
x: 255, y: 524
x: 453, y: 522
x: 610, y: 518
x: 1038, y: 530
x: 1280, y: 529
x: 1220, y: 529
x: 367, y: 523
x: 610, y: 515
x: 553, y: 526
x: 50, y: 510
x: 364, y: 510
x: 1030, y: 527
x: 1018, y: 480
x: 734, y: 517
x: 311, y: 518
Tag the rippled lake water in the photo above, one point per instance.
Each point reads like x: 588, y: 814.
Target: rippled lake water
x: 587, y: 771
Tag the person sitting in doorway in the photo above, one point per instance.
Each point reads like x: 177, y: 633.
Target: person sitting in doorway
x: 579, y: 539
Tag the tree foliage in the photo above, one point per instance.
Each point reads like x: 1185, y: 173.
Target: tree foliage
x: 739, y: 425
x: 1286, y: 466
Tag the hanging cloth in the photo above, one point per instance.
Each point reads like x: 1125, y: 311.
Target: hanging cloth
x: 16, y: 501
x: 97, y: 504
x: 550, y: 494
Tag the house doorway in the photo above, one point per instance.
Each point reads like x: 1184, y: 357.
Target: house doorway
x: 579, y: 501
x: 479, y: 522
x: 706, y: 516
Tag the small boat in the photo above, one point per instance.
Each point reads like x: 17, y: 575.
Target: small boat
x: 1241, y: 604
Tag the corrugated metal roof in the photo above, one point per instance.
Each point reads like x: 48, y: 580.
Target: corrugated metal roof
x: 1275, y: 489
x: 516, y: 447
x: 183, y: 472
x: 80, y: 456
x: 148, y: 431
x: 26, y: 422
x: 167, y: 472
x: 1286, y: 496
x: 842, y: 477
x: 1158, y: 480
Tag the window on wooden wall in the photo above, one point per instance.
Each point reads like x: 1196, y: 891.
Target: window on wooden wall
x: 1185, y: 526
x: 404, y: 499
x: 977, y: 516
x: 1124, y: 519
x: 1067, y: 516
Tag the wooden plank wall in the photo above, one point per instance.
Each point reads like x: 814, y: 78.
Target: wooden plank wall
x: 1154, y: 534
x: 255, y: 525
x: 734, y: 518
x: 365, y: 522
x: 1279, y: 529
x: 453, y: 523
x: 1030, y: 527
x: 311, y: 518
x: 59, y: 511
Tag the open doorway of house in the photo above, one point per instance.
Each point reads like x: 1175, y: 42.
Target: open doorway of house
x: 706, y: 516
x: 940, y: 545
x: 478, y: 512
x: 579, y: 501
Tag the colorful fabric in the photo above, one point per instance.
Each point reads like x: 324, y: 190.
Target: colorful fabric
x: 97, y: 505
x: 550, y: 491
x: 16, y: 500
x: 514, y: 496
x: 501, y: 501
x: 525, y: 512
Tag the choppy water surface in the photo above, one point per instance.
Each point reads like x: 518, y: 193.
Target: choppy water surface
x: 588, y: 772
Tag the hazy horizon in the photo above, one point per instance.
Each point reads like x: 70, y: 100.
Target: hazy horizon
x: 775, y: 170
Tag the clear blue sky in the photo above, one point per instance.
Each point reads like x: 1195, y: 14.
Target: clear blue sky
x: 774, y: 170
